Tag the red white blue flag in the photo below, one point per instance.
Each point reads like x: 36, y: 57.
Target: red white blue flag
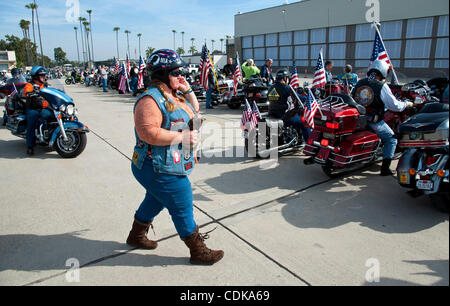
x: 140, y: 75
x: 319, y: 75
x: 295, y: 82
x: 310, y: 109
x: 246, y: 115
x: 205, y: 65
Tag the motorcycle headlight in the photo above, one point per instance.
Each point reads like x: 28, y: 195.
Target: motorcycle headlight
x: 62, y: 108
x: 415, y: 136
x: 70, y: 110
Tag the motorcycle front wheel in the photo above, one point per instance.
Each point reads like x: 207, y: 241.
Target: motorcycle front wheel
x: 68, y: 81
x: 74, y: 146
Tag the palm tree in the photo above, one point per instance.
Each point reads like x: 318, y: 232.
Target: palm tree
x: 174, y: 32
x: 39, y: 31
x: 221, y: 45
x: 182, y: 40
x: 82, y: 19
x: 76, y: 39
x: 180, y: 51
x: 149, y: 51
x: 212, y: 41
x: 25, y: 26
x: 128, y: 42
x: 192, y: 39
x: 32, y: 6
x: 90, y: 28
x: 192, y: 50
x: 117, y: 29
x: 139, y: 36
x: 88, y: 49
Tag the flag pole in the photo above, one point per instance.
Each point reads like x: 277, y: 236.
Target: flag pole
x: 214, y: 72
x: 296, y: 96
x: 375, y: 24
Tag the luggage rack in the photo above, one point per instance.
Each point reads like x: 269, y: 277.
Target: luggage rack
x: 332, y: 102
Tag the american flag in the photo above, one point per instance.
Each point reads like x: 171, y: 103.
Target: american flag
x: 255, y: 116
x: 123, y: 80
x: 116, y: 66
x: 140, y: 75
x: 379, y: 52
x: 295, y: 82
x: 310, y: 109
x: 128, y: 67
x: 319, y: 75
x: 237, y: 76
x: 205, y: 65
x: 14, y: 90
x: 246, y: 115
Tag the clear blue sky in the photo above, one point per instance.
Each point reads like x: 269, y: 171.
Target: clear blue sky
x: 199, y: 19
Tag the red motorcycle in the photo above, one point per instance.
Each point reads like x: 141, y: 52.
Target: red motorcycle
x: 342, y: 140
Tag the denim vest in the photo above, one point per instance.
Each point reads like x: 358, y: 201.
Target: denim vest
x: 165, y: 159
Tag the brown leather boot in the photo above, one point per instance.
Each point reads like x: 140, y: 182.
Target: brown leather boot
x: 200, y: 254
x: 138, y: 236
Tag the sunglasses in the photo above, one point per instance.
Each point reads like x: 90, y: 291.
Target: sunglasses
x: 176, y: 73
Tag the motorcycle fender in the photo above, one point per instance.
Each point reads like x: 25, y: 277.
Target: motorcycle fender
x: 407, y: 161
x: 435, y: 178
x: 68, y: 125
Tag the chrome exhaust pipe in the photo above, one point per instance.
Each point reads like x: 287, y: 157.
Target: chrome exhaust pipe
x: 280, y: 149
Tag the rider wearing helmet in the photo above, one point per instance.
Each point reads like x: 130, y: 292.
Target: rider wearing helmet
x: 16, y: 77
x: 374, y: 94
x: 163, y: 157
x: 36, y: 106
x: 283, y: 106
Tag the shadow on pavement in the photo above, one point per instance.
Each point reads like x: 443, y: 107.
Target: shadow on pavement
x: 375, y: 202
x: 17, y: 149
x: 439, y: 268
x: 50, y: 252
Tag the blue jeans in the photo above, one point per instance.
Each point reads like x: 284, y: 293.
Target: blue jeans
x: 387, y: 137
x: 33, y: 119
x: 105, y: 84
x: 166, y: 191
x: 133, y: 84
x: 208, y: 96
x: 86, y: 81
x: 297, y: 123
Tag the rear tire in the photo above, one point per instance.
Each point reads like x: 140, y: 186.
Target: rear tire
x: 73, y: 147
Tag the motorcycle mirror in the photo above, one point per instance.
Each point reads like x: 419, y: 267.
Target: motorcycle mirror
x: 418, y: 100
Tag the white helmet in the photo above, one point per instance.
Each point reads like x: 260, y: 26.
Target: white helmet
x: 380, y: 66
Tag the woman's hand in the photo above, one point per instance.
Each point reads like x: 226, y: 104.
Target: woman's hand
x: 184, y: 85
x: 190, y: 137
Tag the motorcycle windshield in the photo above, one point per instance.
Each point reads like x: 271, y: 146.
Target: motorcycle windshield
x: 55, y: 97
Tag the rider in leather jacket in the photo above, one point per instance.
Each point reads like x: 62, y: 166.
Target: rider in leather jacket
x: 373, y: 93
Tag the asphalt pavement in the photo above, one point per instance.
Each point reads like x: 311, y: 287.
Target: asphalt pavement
x: 65, y: 221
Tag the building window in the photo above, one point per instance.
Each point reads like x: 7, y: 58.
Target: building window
x: 419, y: 27
x: 419, y: 48
x: 285, y: 52
x: 339, y: 63
x: 364, y: 32
x: 247, y: 53
x: 285, y: 39
x: 337, y: 51
x: 302, y: 64
x: 259, y: 63
x: 441, y: 64
x: 301, y: 52
x: 417, y: 63
x: 258, y: 41
x: 362, y: 63
x: 301, y: 37
x: 247, y: 42
x: 364, y: 50
x: 258, y: 53
x: 318, y: 36
x: 272, y: 53
x: 393, y: 48
x: 315, y: 49
x: 391, y: 29
x: 337, y: 34
x: 442, y: 48
x: 271, y: 40
x: 286, y: 63
x: 443, y: 26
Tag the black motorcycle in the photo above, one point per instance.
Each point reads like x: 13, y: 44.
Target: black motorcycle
x: 424, y: 164
x: 254, y: 89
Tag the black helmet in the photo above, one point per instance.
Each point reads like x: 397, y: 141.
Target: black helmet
x: 164, y: 59
x: 281, y: 74
x: 15, y: 72
x: 38, y: 70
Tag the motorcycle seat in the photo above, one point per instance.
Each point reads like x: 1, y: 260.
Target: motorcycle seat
x: 424, y: 122
x: 434, y: 108
x: 352, y: 103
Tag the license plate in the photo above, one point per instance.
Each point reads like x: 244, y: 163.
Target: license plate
x: 250, y: 94
x: 328, y: 136
x: 424, y: 185
x: 403, y: 178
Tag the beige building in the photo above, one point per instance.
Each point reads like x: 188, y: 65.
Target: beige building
x: 7, y: 60
x: 415, y: 33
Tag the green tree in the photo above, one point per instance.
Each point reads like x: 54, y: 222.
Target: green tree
x: 60, y: 56
x: 19, y: 46
x: 32, y: 7
x: 192, y: 50
x: 149, y: 51
x: 180, y: 51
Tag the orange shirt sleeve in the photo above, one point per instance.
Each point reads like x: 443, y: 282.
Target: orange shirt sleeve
x: 28, y: 88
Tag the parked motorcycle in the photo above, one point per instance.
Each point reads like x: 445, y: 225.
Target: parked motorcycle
x: 424, y: 164
x: 69, y: 80
x: 254, y: 90
x: 63, y: 132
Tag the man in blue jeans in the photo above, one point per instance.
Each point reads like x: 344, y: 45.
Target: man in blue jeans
x: 373, y: 93
x: 104, y: 76
x: 210, y: 89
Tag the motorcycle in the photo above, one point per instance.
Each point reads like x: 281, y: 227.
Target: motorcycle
x: 63, y: 132
x: 253, y: 90
x: 342, y: 140
x: 69, y: 80
x: 424, y: 164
